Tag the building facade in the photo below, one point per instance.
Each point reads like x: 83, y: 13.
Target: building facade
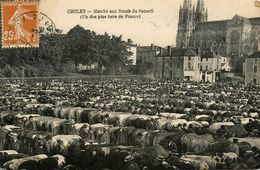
x: 146, y: 58
x: 177, y: 63
x: 186, y: 64
x: 252, y: 68
x: 146, y: 54
x: 238, y: 36
x: 211, y: 65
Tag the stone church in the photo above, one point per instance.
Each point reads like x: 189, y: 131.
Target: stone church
x: 238, y: 36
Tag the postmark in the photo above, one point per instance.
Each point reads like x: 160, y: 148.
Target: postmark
x: 20, y: 24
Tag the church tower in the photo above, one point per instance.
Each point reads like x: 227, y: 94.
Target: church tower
x: 188, y: 18
x: 186, y: 24
x: 201, y: 14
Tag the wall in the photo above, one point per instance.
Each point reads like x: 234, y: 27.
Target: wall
x: 249, y: 70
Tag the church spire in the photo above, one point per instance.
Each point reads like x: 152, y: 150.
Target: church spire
x: 206, y: 15
x: 187, y: 4
x: 200, y: 6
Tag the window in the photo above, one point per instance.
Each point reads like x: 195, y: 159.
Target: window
x: 162, y: 74
x: 201, y: 59
x: 254, y: 81
x: 189, y: 58
x: 207, y: 59
x: 255, y: 69
x: 200, y: 67
x: 206, y: 68
x: 170, y: 73
x: 256, y: 60
x: 189, y: 66
x: 217, y: 67
x: 170, y: 64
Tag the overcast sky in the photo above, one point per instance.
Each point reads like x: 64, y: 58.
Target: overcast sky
x: 159, y: 28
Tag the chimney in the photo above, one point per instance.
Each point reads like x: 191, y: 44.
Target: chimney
x: 129, y: 41
x: 169, y: 50
x: 161, y: 51
x: 152, y: 47
x: 197, y: 51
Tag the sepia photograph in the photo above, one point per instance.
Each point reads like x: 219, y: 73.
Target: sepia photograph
x: 129, y: 84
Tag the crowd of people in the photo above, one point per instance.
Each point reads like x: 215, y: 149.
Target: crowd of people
x: 145, y: 124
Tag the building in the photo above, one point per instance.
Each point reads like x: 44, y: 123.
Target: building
x: 238, y: 36
x: 146, y: 58
x: 252, y: 68
x: 146, y: 54
x: 178, y: 63
x: 211, y: 65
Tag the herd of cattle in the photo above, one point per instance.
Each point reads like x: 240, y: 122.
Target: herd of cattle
x: 129, y: 124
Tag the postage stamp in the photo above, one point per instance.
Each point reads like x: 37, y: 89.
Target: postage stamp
x: 20, y: 23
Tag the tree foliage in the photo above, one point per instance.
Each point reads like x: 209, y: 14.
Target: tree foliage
x: 57, y: 51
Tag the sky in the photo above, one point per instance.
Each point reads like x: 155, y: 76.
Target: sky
x: 159, y: 28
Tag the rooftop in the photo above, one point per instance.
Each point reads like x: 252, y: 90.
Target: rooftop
x: 210, y: 54
x: 148, y: 48
x: 255, y: 21
x: 175, y: 52
x: 223, y: 23
x: 255, y: 55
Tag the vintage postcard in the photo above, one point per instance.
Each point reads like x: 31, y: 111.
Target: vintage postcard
x: 129, y: 84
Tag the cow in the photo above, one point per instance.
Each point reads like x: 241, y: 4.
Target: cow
x: 51, y: 163
x: 196, y: 161
x: 9, y: 157
x: 16, y: 163
x: 192, y: 142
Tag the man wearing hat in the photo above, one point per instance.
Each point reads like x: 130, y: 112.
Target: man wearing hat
x: 131, y: 164
x: 233, y: 147
x: 105, y: 137
x: 162, y: 164
x: 256, y: 156
x: 173, y: 147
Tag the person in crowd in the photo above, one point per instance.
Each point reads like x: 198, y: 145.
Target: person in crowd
x: 233, y: 147
x: 250, y: 126
x: 105, y: 119
x: 190, y: 129
x: 105, y: 137
x: 173, y: 147
x: 117, y: 123
x: 256, y: 153
x: 60, y: 148
x: 221, y: 132
x: 131, y: 164
x: 220, y: 161
x: 254, y: 133
x: 162, y: 164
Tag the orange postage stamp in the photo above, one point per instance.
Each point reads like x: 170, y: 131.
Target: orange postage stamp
x: 20, y: 23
